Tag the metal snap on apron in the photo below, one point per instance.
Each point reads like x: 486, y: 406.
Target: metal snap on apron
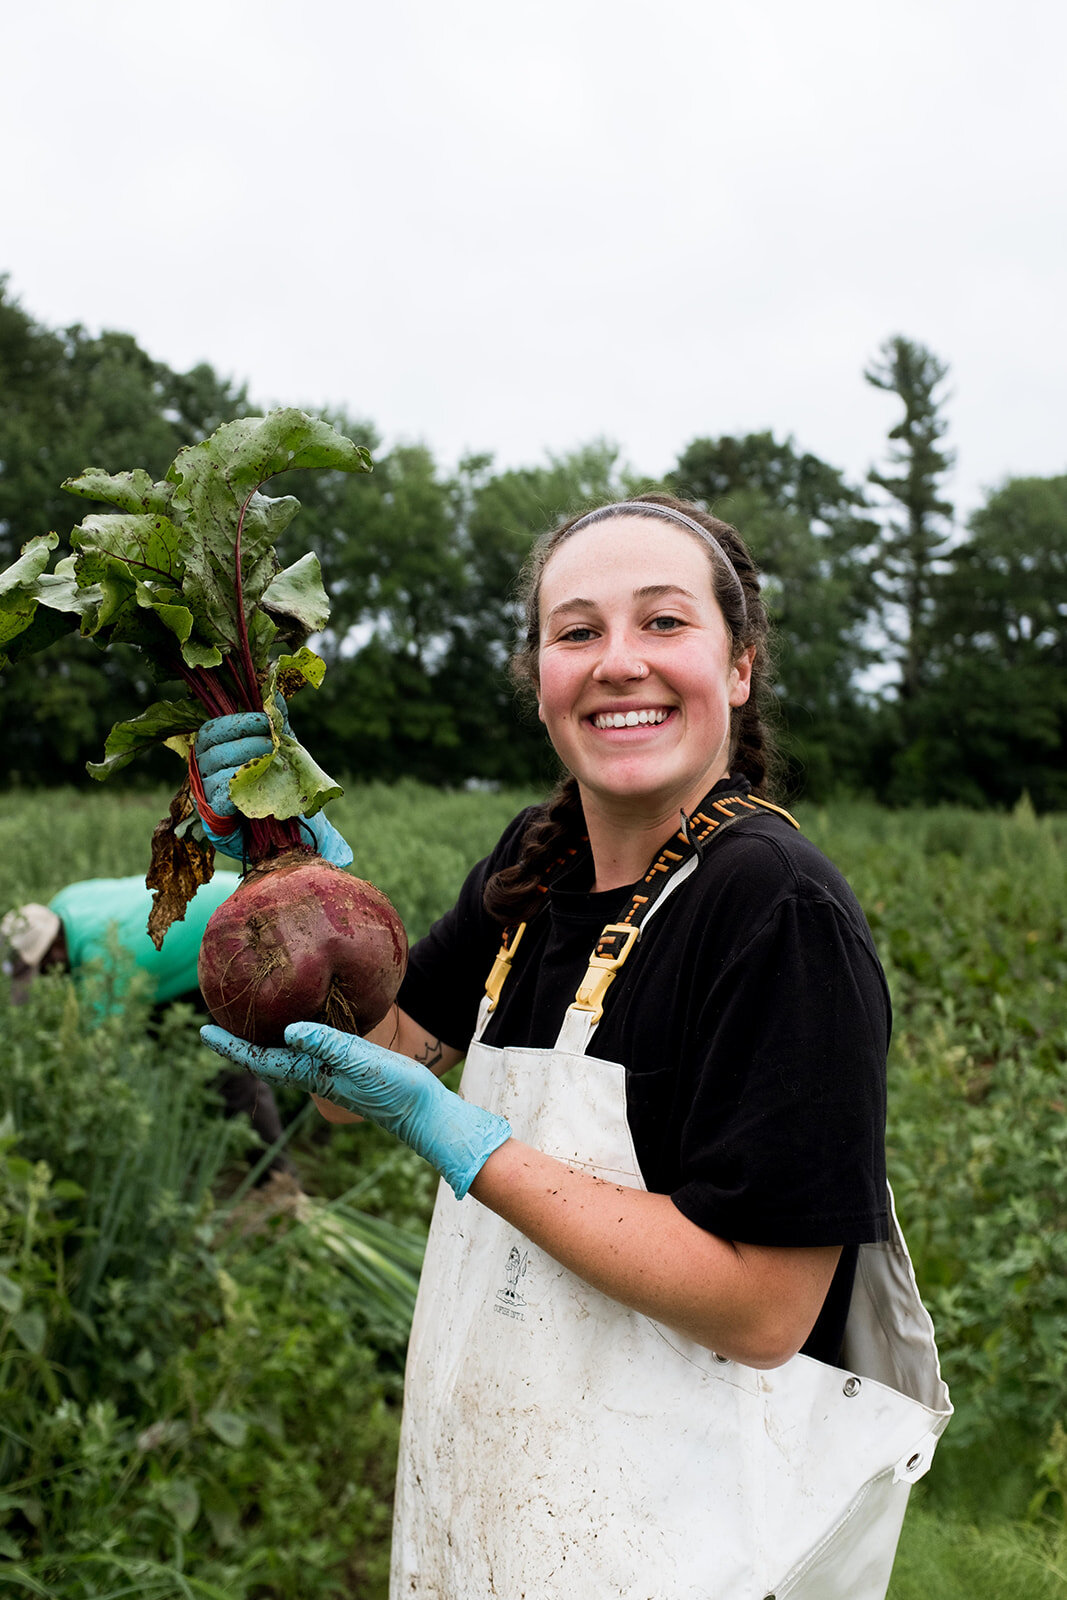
x: 555, y: 1443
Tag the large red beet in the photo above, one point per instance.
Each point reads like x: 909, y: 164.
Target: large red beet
x: 301, y: 941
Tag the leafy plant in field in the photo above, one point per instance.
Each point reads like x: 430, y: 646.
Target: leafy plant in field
x: 169, y: 1361
x: 259, y: 1463
x: 970, y: 913
x: 957, y: 1560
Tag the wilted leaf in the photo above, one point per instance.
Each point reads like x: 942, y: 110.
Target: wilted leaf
x: 293, y: 672
x: 180, y: 864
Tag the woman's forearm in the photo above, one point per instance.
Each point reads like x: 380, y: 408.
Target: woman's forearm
x: 750, y: 1303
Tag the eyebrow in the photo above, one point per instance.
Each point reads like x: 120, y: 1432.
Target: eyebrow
x: 648, y: 591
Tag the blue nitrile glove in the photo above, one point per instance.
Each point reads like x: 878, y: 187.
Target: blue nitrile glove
x: 401, y: 1096
x: 226, y: 743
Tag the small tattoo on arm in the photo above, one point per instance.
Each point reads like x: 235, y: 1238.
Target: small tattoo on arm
x: 432, y: 1055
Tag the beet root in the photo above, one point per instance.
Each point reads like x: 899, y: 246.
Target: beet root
x: 300, y: 940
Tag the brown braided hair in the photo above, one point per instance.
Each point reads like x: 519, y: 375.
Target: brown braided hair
x: 514, y: 893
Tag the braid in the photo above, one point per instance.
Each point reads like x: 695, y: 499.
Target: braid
x: 555, y: 829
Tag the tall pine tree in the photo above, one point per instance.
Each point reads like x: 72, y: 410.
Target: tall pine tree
x: 913, y: 540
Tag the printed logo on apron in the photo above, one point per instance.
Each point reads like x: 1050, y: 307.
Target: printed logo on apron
x: 514, y: 1271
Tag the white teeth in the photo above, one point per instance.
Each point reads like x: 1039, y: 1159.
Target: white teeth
x: 629, y: 719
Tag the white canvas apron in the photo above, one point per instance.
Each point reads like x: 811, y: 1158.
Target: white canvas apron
x: 556, y: 1443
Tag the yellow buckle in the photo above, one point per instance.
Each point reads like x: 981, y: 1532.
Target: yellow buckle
x: 502, y: 965
x: 602, y: 968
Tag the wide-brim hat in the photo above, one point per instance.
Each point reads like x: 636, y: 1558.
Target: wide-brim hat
x: 30, y: 930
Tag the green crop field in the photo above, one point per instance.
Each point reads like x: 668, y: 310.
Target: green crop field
x: 200, y: 1378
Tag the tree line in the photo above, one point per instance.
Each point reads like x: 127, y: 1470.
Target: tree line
x: 918, y: 661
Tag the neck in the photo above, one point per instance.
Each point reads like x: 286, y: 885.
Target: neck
x: 623, y: 844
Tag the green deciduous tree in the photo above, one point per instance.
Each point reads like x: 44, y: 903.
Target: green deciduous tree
x: 992, y: 718
x: 808, y: 531
x: 69, y: 400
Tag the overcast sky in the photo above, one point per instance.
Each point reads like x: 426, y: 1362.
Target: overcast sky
x: 518, y: 227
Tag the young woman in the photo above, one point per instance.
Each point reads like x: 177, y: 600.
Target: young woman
x: 668, y: 1342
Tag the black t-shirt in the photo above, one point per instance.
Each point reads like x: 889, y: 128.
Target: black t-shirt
x: 752, y: 1016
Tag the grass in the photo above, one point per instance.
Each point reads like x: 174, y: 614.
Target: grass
x: 943, y: 1559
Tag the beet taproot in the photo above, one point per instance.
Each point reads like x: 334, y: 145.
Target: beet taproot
x: 301, y: 940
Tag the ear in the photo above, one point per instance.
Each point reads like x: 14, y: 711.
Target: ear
x: 540, y: 710
x: 741, y: 676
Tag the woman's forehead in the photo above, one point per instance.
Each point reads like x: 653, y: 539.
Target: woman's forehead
x: 630, y: 552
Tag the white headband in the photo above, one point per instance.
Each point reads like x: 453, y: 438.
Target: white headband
x: 649, y: 508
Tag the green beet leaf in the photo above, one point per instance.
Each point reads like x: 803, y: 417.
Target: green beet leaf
x: 130, y: 491
x: 217, y: 499
x: 287, y: 783
x: 160, y: 722
x: 148, y: 545
x: 298, y: 593
x: 23, y: 588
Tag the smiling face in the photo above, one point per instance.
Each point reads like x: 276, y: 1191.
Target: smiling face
x: 636, y: 669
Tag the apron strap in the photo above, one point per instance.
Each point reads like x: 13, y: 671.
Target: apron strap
x: 582, y: 1016
x: 678, y: 859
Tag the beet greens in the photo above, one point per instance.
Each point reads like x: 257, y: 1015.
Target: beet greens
x: 185, y: 570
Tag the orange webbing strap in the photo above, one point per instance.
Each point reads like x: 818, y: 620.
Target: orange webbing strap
x: 502, y: 965
x: 618, y: 938
x: 510, y: 943
x: 693, y: 837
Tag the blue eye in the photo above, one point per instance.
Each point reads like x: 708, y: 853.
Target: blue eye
x: 577, y: 635
x: 666, y: 624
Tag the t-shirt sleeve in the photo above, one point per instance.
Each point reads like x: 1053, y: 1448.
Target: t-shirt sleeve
x: 447, y: 969
x: 783, y: 1139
